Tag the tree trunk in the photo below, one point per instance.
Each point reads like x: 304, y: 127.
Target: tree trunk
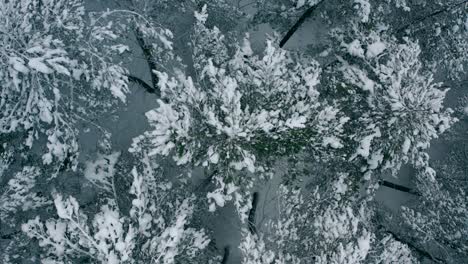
x: 398, y: 187
x: 253, y: 210
x: 148, y: 54
x: 142, y: 83
x: 225, y: 255
x: 298, y: 24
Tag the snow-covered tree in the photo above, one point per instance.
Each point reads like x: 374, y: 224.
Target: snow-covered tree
x: 35, y: 63
x: 439, y: 26
x: 60, y: 68
x: 21, y: 194
x: 240, y: 111
x: 362, y: 100
x: 325, y: 225
x: 385, y: 81
x: 436, y: 221
x: 156, y: 229
x: 55, y: 62
x: 397, y: 107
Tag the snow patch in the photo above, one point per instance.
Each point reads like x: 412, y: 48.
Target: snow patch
x: 363, y: 8
x: 375, y: 49
x: 364, y: 148
x: 18, y: 64
x: 406, y: 146
x: 332, y: 142
x: 38, y: 65
x: 355, y: 49
x: 300, y: 3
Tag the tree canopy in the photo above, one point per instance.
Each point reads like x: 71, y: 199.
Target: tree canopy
x: 299, y: 138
